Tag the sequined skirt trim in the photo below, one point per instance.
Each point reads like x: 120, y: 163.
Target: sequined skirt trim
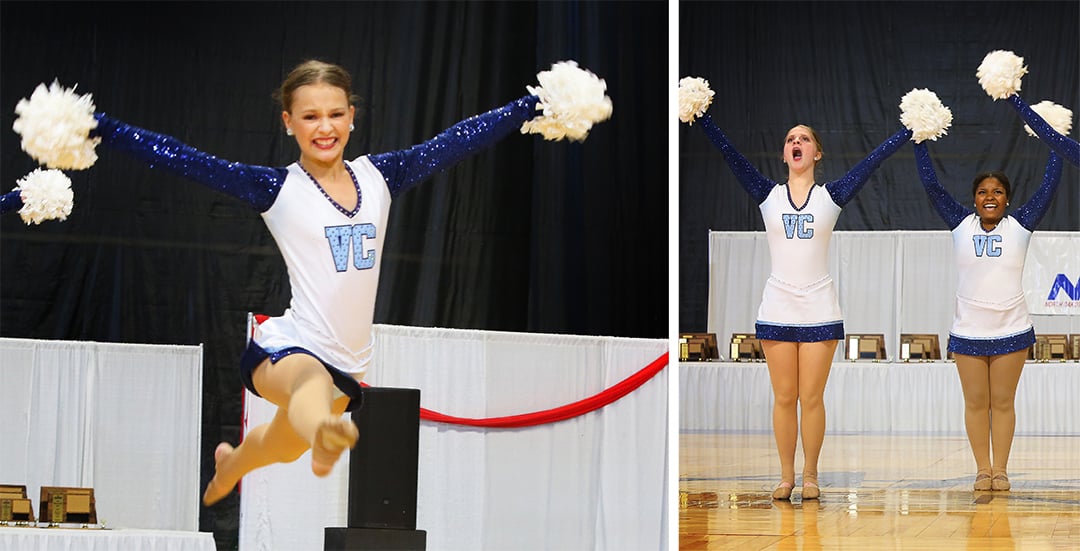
x: 255, y: 354
x: 800, y: 333
x: 991, y: 346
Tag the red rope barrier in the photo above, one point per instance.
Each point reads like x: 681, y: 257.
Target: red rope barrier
x: 553, y: 415
x: 562, y: 413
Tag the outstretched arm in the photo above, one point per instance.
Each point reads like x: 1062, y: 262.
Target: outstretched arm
x: 1060, y: 143
x: 1031, y: 213
x: 405, y: 168
x: 757, y: 185
x: 256, y: 185
x: 844, y: 189
x: 951, y: 211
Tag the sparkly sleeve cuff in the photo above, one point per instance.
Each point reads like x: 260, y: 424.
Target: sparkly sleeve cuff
x: 256, y: 185
x: 757, y: 185
x: 11, y: 201
x: 1060, y: 143
x: 844, y: 189
x: 405, y: 168
x: 948, y: 208
x: 1033, y: 211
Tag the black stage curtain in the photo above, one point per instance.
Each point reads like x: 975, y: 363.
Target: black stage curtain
x: 529, y: 236
x: 842, y: 68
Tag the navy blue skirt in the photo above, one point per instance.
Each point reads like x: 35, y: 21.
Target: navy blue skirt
x: 255, y: 354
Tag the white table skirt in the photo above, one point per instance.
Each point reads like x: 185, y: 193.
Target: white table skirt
x: 890, y: 398
x: 54, y: 539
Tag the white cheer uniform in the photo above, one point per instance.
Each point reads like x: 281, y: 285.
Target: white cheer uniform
x: 333, y: 259
x: 991, y: 315
x: 800, y: 303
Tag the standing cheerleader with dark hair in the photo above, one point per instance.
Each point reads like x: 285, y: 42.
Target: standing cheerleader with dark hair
x: 991, y: 329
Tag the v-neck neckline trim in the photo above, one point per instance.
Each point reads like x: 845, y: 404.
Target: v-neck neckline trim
x: 356, y: 185
x: 791, y: 202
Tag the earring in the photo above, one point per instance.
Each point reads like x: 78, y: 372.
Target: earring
x: 288, y: 131
x: 352, y: 127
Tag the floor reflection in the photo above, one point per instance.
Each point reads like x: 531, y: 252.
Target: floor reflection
x: 900, y: 497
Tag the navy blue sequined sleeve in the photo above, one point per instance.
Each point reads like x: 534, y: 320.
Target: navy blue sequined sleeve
x: 1062, y: 144
x: 843, y: 190
x: 757, y: 185
x: 405, y: 168
x: 1032, y: 212
x: 10, y: 201
x: 951, y: 211
x: 258, y: 186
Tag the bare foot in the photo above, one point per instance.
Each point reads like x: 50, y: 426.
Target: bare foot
x: 216, y: 490
x: 331, y: 439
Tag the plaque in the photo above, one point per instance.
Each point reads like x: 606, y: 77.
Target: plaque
x: 63, y: 505
x: 15, y: 507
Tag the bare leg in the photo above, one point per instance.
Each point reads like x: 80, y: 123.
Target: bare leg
x: 974, y: 374
x: 783, y: 361
x: 307, y: 417
x: 300, y: 384
x: 815, y: 362
x: 1005, y: 372
x: 273, y: 442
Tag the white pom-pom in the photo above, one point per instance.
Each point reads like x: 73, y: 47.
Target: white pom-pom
x: 1058, y: 117
x: 572, y: 99
x: 923, y: 113
x: 695, y: 96
x: 55, y: 124
x: 1000, y: 73
x: 46, y: 195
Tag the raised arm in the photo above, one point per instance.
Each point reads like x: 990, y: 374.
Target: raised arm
x: 950, y: 210
x: 1060, y: 143
x: 1031, y: 213
x: 405, y: 168
x: 1000, y: 74
x: 258, y: 186
x: 757, y: 185
x: 844, y: 189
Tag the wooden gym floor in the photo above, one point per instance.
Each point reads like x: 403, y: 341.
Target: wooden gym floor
x: 877, y: 493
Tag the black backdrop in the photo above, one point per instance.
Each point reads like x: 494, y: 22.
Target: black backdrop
x: 842, y: 68
x: 528, y: 236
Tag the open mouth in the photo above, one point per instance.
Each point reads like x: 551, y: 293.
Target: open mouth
x: 325, y: 143
x: 796, y: 154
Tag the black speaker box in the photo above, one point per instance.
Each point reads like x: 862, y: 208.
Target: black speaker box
x: 383, y: 465
x: 374, y: 539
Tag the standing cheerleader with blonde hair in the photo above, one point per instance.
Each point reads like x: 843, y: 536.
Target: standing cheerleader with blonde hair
x: 799, y: 321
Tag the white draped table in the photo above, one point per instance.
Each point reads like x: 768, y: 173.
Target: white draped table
x: 61, y: 539
x: 123, y: 419
x: 883, y: 398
